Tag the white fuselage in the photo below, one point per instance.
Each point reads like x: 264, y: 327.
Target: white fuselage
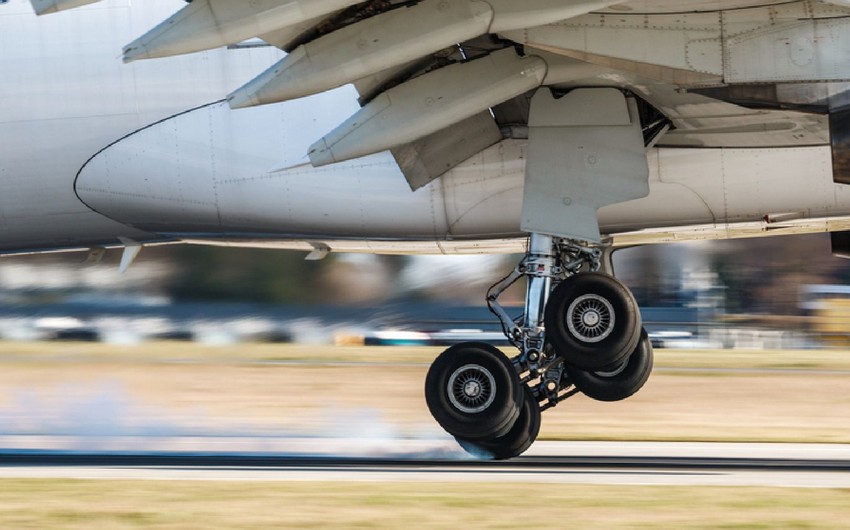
x: 66, y: 94
x: 93, y: 150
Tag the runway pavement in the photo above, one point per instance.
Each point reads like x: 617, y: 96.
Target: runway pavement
x: 709, y: 464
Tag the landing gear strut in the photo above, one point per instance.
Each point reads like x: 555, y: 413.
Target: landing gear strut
x: 580, y: 332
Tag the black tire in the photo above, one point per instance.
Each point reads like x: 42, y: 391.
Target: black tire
x: 516, y: 441
x: 490, y: 413
x: 620, y: 383
x: 592, y: 321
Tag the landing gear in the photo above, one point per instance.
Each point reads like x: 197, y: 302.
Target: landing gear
x: 619, y: 382
x: 516, y: 440
x: 593, y: 321
x: 473, y: 391
x: 580, y: 332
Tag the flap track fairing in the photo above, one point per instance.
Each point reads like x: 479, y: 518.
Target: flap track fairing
x: 393, y: 38
x: 429, y: 103
x: 207, y: 24
x: 366, y: 48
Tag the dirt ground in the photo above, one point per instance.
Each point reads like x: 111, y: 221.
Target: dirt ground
x: 272, y: 388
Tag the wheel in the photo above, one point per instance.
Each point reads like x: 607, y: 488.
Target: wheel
x: 516, y: 441
x: 592, y: 321
x: 623, y: 381
x: 473, y: 391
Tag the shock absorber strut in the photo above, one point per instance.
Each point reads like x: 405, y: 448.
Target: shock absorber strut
x: 539, y: 268
x: 548, y: 261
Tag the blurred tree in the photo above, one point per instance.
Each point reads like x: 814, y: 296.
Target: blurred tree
x: 648, y: 282
x: 260, y: 275
x: 759, y: 275
x: 728, y: 274
x: 765, y: 275
x: 362, y: 278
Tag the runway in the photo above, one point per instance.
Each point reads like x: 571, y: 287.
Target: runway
x: 681, y: 464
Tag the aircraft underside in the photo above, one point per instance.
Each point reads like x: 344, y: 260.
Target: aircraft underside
x: 564, y: 129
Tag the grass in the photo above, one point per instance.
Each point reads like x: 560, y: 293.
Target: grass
x: 163, y: 505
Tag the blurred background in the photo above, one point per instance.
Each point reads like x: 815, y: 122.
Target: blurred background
x: 776, y: 292
x: 208, y: 348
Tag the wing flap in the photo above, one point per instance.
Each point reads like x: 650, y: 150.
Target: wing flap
x: 430, y: 157
x: 429, y: 103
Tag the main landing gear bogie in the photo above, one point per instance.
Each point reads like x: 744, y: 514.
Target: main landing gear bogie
x: 580, y: 332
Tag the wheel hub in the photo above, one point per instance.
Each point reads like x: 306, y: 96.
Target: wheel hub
x: 471, y: 388
x: 591, y: 318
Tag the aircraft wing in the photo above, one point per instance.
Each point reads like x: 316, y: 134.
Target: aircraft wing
x: 441, y: 80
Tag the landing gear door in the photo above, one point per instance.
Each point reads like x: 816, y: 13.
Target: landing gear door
x: 586, y: 150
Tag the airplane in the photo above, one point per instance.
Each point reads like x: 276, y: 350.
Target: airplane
x: 559, y: 129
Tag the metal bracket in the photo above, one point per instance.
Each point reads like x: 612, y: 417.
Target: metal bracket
x: 320, y: 251
x: 94, y: 256
x: 132, y: 249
